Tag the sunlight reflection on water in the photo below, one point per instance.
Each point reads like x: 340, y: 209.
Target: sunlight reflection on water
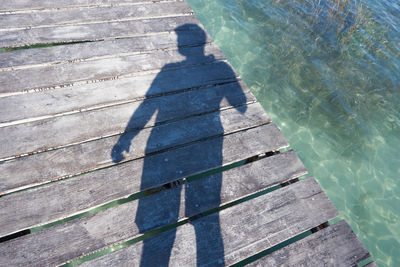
x: 329, y: 76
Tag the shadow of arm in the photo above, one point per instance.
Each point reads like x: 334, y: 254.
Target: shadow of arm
x: 235, y: 93
x: 137, y: 121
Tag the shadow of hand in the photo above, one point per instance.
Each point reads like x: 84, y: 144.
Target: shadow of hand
x: 117, y: 152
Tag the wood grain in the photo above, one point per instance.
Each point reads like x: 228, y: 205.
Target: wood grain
x: 27, y: 58
x: 141, y: 98
x: 74, y: 99
x: 9, y: 6
x: 69, y: 161
x: 85, y: 15
x: 245, y: 229
x: 66, y: 198
x: 95, y: 31
x: 336, y: 245
x: 64, y: 75
x: 62, y: 131
x: 59, y: 244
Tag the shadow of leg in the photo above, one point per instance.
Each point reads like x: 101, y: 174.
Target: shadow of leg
x: 157, y: 252
x: 209, y: 243
x: 155, y: 211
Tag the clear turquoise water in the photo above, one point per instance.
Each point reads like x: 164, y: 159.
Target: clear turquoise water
x: 329, y: 76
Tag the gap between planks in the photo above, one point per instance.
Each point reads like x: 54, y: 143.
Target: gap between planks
x: 69, y: 197
x: 95, y: 32
x: 82, y: 16
x: 52, y: 77
x: 245, y: 229
x: 115, y: 225
x: 335, y: 245
x: 89, y: 51
x: 70, y: 161
x: 96, y: 4
x: 17, y: 140
x: 66, y: 101
x: 88, y: 23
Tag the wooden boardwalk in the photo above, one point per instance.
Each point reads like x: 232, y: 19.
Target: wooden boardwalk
x: 134, y: 142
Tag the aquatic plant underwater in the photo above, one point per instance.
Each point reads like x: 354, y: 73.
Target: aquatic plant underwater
x: 328, y: 73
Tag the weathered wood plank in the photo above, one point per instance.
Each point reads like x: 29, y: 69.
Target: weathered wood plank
x: 61, y: 131
x: 26, y: 58
x: 85, y: 15
x: 95, y: 31
x: 244, y: 230
x: 58, y: 164
x: 336, y: 245
x: 49, y: 103
x: 62, y: 75
x: 64, y: 242
x: 16, y: 5
x: 59, y: 200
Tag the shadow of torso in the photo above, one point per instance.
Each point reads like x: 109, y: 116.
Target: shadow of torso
x: 167, y: 206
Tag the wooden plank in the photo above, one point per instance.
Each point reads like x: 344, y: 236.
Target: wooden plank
x: 94, y: 15
x: 64, y: 242
x: 63, y: 75
x: 49, y: 103
x: 336, y: 245
x: 95, y: 31
x: 59, y: 164
x: 233, y: 234
x: 66, y: 198
x: 62, y: 131
x: 26, y: 58
x: 27, y: 5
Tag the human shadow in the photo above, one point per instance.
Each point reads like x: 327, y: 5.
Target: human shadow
x: 153, y: 212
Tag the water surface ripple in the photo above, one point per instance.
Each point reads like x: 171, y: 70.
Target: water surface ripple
x: 328, y: 72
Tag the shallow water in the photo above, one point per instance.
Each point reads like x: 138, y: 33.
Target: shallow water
x: 329, y: 76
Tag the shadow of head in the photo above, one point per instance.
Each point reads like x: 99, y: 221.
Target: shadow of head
x: 197, y: 35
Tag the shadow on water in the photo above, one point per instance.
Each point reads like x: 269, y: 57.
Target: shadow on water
x: 152, y: 212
